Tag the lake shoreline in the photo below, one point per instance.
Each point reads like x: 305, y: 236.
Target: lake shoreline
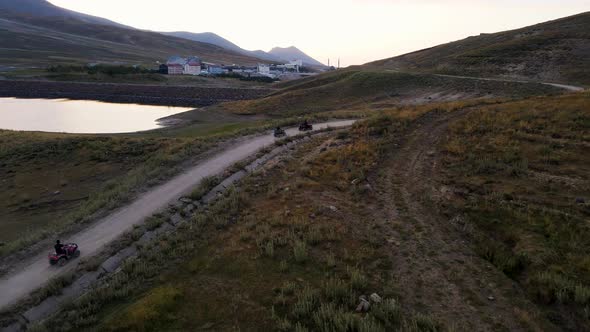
x: 81, y: 116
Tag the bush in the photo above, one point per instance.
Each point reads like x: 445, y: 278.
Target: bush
x: 110, y: 70
x: 300, y: 251
x: 328, y: 318
x: 388, y: 313
x: 357, y: 279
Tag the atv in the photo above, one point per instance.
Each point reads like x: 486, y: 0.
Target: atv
x: 305, y: 127
x: 71, y: 251
x: 280, y: 133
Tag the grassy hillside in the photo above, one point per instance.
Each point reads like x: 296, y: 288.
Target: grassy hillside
x: 41, y: 41
x: 368, y: 90
x: 55, y: 181
x: 518, y: 174
x: 297, y: 243
x: 275, y: 256
x: 555, y: 51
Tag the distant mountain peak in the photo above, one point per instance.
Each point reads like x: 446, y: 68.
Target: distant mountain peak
x: 293, y: 53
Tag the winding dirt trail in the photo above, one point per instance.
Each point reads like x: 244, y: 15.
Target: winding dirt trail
x: 571, y: 88
x: 37, y: 271
x: 434, y: 263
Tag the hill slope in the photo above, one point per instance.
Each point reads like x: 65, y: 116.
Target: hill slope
x: 364, y: 90
x: 42, y: 8
x: 35, y: 37
x: 212, y: 38
x: 556, y: 51
x: 293, y: 53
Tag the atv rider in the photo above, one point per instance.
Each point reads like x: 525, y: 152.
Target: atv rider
x: 59, y: 248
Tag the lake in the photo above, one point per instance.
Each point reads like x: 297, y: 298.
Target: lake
x: 81, y: 116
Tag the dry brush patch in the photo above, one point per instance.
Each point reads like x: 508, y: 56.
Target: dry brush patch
x: 520, y: 174
x: 55, y: 181
x: 292, y: 249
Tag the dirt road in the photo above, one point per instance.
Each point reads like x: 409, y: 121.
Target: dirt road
x: 434, y: 261
x: 37, y: 270
x: 571, y: 88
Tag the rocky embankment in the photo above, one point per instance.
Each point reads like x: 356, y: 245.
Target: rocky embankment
x: 128, y: 93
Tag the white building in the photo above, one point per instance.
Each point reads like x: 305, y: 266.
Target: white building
x: 263, y: 69
x: 192, y: 66
x: 296, y: 63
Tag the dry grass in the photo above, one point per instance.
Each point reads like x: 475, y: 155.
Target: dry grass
x: 370, y: 91
x: 273, y: 255
x: 525, y: 166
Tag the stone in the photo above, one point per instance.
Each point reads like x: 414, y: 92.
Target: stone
x: 189, y: 208
x: 176, y: 219
x: 375, y: 298
x: 42, y: 310
x: 580, y: 200
x: 186, y: 200
x: 491, y: 298
x: 364, y: 305
x: 333, y: 208
x: 15, y: 327
x: 311, y: 215
x: 113, y: 263
x: 57, y: 192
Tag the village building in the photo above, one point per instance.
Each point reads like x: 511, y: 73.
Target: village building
x: 192, y: 66
x: 175, y: 69
x: 263, y: 69
x: 163, y: 69
x: 175, y: 65
x: 213, y: 69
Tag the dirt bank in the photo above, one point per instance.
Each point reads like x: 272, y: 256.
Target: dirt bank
x: 128, y: 93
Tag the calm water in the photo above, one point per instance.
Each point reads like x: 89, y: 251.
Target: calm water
x: 80, y: 116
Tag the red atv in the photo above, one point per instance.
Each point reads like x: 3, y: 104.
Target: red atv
x: 71, y: 251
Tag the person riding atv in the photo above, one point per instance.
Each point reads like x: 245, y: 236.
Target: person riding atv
x: 279, y: 132
x: 305, y: 126
x: 63, y: 253
x: 59, y: 248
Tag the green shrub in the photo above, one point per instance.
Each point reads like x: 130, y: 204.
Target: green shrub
x: 357, y: 279
x: 388, y: 313
x: 307, y: 301
x: 328, y: 318
x: 300, y: 251
x: 336, y: 290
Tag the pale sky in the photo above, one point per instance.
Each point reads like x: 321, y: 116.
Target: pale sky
x: 357, y: 31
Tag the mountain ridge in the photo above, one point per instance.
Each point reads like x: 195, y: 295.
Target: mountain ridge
x: 293, y: 53
x: 37, y: 33
x: 277, y: 54
x: 46, y: 9
x: 215, y: 39
x: 554, y: 51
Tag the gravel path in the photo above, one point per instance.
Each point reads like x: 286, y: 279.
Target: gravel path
x: 37, y: 271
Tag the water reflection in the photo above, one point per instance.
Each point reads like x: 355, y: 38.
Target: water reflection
x: 80, y: 116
